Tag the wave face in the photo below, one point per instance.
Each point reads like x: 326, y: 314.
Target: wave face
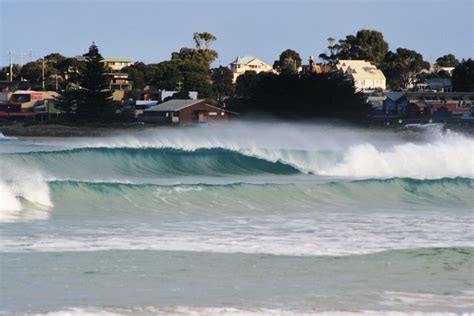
x: 363, y: 194
x: 241, y: 150
x: 149, y: 162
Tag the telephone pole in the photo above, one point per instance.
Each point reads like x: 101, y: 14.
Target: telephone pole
x: 10, y: 55
x: 42, y: 71
x: 21, y: 58
x: 31, y: 54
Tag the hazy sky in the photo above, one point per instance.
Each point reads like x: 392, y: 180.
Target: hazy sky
x: 149, y: 31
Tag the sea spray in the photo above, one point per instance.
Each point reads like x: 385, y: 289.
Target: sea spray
x: 24, y: 193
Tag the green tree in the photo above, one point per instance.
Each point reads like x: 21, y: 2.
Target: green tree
x: 299, y: 96
x: 203, y: 39
x: 54, y: 58
x: 289, y: 62
x: 202, y: 56
x: 136, y: 73
x: 463, y: 76
x: 448, y: 60
x: 222, y: 81
x: 67, y: 102
x: 331, y: 57
x: 167, y: 75
x: 95, y: 99
x: 366, y: 45
x: 401, y: 67
x: 5, y: 72
x: 33, y: 72
x: 69, y: 69
x: 247, y: 84
x: 196, y: 77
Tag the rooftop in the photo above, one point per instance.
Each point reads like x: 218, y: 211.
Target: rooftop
x: 243, y: 60
x: 174, y: 105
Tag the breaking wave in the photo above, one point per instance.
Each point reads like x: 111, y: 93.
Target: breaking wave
x: 35, y: 199
x: 397, y: 193
x: 453, y: 158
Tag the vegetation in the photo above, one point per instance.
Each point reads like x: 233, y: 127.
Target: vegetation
x: 222, y: 82
x: 289, y: 62
x: 463, y: 76
x: 85, y: 94
x: 447, y: 61
x: 92, y: 102
x: 401, y: 67
x: 299, y: 96
x: 366, y: 44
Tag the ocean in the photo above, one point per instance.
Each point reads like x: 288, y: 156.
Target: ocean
x: 238, y: 219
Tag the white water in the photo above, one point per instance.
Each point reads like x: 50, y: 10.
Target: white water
x: 363, y: 154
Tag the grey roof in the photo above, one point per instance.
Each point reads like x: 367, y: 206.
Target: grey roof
x: 173, y: 105
x: 394, y: 95
x: 243, y: 60
x: 439, y: 83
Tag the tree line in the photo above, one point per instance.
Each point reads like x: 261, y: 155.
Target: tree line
x: 84, y: 89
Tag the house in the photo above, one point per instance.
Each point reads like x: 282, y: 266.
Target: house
x: 119, y: 81
x: 117, y: 63
x: 28, y: 99
x: 395, y: 102
x: 184, y: 112
x: 440, y: 85
x: 363, y: 74
x: 161, y: 95
x: 113, y: 63
x: 312, y: 67
x: 245, y: 63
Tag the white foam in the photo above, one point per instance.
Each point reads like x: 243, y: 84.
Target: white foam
x: 24, y: 194
x: 6, y: 137
x: 231, y: 311
x: 364, y: 154
x: 320, y: 235
x: 451, y: 157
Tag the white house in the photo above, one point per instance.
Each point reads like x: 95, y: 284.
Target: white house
x: 364, y: 75
x: 244, y: 63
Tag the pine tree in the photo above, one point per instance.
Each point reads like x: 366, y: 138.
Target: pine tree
x: 95, y: 102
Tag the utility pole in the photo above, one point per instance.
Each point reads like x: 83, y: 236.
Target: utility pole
x: 42, y: 72
x: 31, y: 54
x: 10, y: 55
x: 21, y: 58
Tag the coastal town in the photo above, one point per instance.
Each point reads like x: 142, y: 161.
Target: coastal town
x: 389, y: 88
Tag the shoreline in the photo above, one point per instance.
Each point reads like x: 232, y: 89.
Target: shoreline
x: 45, y: 131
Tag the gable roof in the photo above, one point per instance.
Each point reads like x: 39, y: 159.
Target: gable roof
x: 174, y: 105
x: 243, y: 60
x: 118, y: 59
x: 439, y: 83
x: 395, y: 95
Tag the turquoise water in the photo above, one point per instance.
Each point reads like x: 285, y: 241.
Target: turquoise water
x: 238, y: 220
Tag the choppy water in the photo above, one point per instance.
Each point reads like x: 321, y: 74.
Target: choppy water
x: 256, y: 219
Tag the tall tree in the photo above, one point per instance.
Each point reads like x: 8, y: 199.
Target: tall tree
x: 367, y: 45
x: 95, y: 98
x: 33, y: 72
x: 331, y: 57
x: 463, y: 76
x: 247, y: 84
x: 222, y: 81
x: 202, y: 56
x: 203, y: 39
x: 448, y: 60
x: 289, y: 62
x: 401, y: 67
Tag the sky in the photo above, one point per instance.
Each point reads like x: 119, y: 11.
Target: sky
x: 150, y: 30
